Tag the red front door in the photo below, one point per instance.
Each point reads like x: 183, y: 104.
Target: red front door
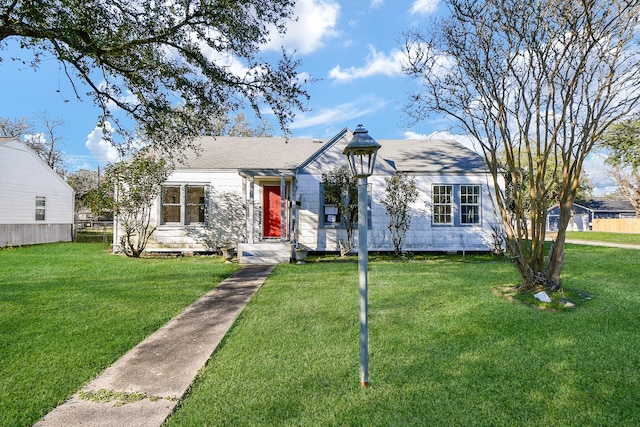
x: 272, y: 202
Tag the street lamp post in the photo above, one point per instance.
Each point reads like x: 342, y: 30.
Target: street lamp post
x: 361, y: 153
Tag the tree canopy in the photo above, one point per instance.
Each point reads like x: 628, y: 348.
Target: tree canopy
x: 540, y: 81
x: 170, y: 66
x: 622, y: 143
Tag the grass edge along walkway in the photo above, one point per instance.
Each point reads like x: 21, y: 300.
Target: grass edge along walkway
x: 161, y: 368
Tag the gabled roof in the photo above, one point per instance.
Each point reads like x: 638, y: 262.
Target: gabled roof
x: 412, y: 156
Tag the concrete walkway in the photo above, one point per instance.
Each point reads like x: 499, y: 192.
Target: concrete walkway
x: 606, y: 244
x: 156, y: 373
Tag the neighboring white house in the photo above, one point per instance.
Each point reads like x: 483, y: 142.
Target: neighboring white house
x: 280, y: 180
x: 36, y: 204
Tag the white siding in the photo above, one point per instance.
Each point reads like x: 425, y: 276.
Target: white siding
x: 422, y: 235
x: 23, y: 176
x: 175, y: 235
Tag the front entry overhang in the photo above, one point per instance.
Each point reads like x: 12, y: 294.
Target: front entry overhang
x: 277, y: 188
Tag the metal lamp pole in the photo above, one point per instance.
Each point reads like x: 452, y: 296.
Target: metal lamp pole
x: 361, y: 153
x: 363, y: 273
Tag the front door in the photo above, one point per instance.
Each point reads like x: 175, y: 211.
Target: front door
x: 272, y: 203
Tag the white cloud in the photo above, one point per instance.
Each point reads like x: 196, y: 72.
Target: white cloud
x: 376, y: 3
x: 424, y: 7
x: 343, y: 113
x: 103, y: 151
x: 599, y: 174
x: 376, y: 63
x: 316, y: 21
x: 414, y: 135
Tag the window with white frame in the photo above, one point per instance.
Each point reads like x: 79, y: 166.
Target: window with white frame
x: 182, y: 204
x: 195, y: 204
x: 41, y: 208
x: 442, y: 204
x: 470, y: 204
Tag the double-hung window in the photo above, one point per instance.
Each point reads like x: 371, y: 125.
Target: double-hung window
x: 41, y: 208
x: 183, y: 204
x: 456, y: 204
x: 442, y: 204
x: 470, y: 204
x: 195, y: 204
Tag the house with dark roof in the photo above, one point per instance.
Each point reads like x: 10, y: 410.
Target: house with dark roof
x: 582, y: 215
x: 37, y: 204
x: 278, y: 183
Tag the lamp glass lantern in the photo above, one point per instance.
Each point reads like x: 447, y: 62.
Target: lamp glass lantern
x: 361, y: 153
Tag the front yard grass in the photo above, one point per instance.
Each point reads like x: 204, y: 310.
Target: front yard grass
x: 444, y: 350
x: 69, y: 310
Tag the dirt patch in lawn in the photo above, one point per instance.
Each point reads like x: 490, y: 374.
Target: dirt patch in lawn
x: 567, y: 300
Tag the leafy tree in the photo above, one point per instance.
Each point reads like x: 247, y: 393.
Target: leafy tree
x: 340, y: 188
x: 400, y: 192
x: 85, y: 183
x: 622, y: 142
x: 147, y: 58
x: 137, y: 183
x: 540, y: 81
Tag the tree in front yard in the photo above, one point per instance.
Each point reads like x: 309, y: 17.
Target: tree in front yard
x: 340, y: 188
x: 137, y: 183
x: 400, y: 192
x: 539, y: 82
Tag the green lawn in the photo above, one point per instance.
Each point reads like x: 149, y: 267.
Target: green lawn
x: 444, y: 349
x: 67, y: 311
x: 605, y: 237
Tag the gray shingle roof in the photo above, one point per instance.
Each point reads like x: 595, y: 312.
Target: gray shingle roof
x: 414, y: 156
x: 252, y: 153
x: 430, y: 156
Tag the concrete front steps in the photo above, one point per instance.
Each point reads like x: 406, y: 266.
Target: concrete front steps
x: 264, y: 253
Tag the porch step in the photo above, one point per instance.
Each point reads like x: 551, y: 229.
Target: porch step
x: 264, y: 253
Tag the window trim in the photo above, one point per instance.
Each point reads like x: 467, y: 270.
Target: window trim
x: 41, y: 208
x: 450, y: 204
x: 477, y: 204
x: 456, y: 205
x: 183, y: 204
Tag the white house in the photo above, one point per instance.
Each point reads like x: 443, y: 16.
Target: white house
x: 36, y: 204
x: 279, y: 182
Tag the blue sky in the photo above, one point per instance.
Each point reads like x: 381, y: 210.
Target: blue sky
x: 353, y: 47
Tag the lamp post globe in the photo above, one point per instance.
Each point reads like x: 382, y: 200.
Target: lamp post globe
x: 361, y: 153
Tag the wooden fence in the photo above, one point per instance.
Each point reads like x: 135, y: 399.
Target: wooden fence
x: 617, y: 225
